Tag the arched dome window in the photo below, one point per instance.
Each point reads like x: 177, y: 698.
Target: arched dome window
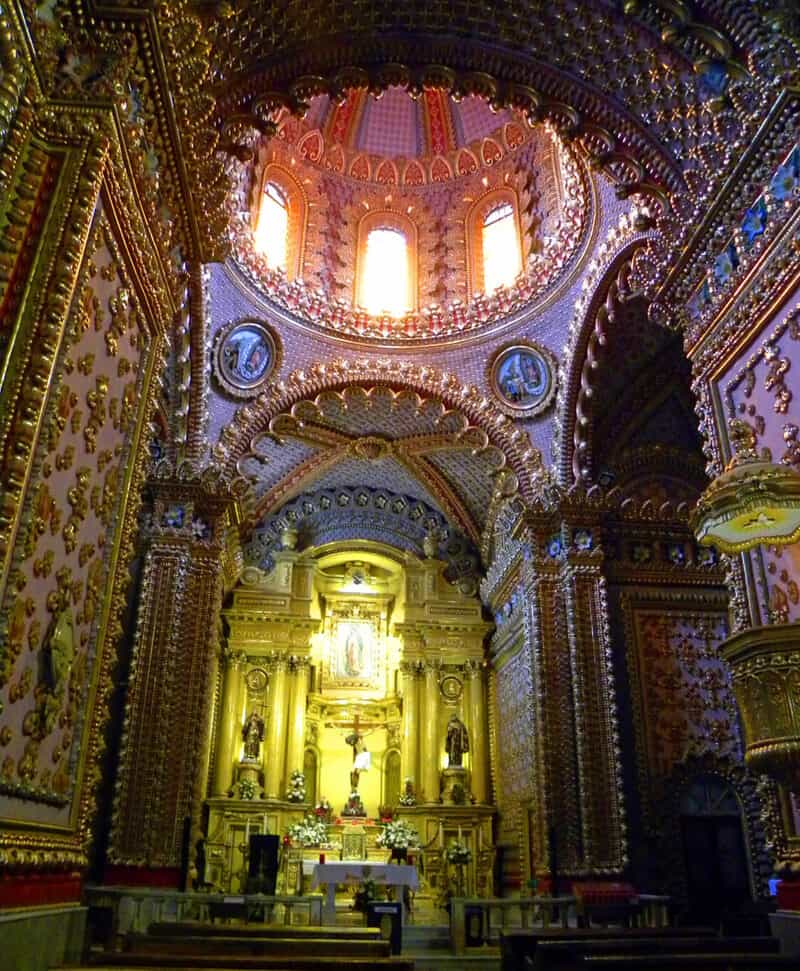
x: 494, y: 242
x: 281, y: 222
x: 272, y: 232
x: 386, y: 270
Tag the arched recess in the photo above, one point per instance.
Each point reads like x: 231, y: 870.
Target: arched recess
x: 311, y: 773
x: 391, y: 778
x: 481, y: 210
x: 670, y: 801
x: 523, y: 465
x: 296, y: 201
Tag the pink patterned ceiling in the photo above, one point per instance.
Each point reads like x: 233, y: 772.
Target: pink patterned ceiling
x: 396, y: 125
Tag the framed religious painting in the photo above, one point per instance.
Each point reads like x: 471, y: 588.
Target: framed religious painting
x: 523, y: 378
x: 354, y: 655
x: 246, y: 353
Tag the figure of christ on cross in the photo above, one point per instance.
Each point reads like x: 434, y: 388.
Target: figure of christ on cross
x: 361, y: 756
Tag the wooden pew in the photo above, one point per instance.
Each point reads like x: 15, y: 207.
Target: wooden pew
x: 571, y: 955
x: 689, y: 962
x: 518, y: 947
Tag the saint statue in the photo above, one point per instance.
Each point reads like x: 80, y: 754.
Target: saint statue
x: 457, y: 742
x: 253, y: 735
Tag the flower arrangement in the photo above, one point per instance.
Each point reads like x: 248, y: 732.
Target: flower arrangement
x: 296, y: 791
x: 311, y: 831
x: 408, y: 797
x: 398, y: 835
x: 458, y: 853
x: 247, y: 789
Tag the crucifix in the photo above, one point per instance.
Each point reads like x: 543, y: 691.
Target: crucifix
x: 355, y: 739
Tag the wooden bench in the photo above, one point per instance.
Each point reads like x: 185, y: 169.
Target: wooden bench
x: 689, y: 962
x: 227, y: 945
x: 570, y: 955
x: 518, y: 947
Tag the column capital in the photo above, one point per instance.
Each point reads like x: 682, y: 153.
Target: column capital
x: 235, y: 660
x: 473, y: 668
x: 298, y: 662
x: 411, y: 669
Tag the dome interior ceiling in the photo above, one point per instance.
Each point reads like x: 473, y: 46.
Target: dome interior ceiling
x: 395, y: 125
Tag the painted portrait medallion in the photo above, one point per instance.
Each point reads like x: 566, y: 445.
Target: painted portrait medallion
x: 245, y: 355
x: 523, y: 378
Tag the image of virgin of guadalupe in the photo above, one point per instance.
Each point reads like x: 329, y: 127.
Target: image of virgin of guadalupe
x: 354, y: 653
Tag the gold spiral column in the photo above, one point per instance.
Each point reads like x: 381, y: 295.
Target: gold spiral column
x: 477, y: 725
x: 297, y: 715
x: 430, y: 755
x: 409, y: 748
x: 228, y: 731
x: 275, y: 749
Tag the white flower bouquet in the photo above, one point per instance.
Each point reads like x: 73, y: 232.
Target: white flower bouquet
x: 398, y: 835
x: 458, y: 853
x: 296, y: 792
x: 311, y: 831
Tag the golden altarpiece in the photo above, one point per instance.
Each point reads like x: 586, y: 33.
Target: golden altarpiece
x: 344, y: 659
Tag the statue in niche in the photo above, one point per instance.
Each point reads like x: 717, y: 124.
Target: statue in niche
x: 253, y: 735
x: 457, y: 741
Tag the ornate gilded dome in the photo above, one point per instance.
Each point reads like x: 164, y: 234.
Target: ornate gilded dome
x: 435, y: 170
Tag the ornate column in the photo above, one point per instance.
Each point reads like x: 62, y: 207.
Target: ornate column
x: 594, y: 709
x: 477, y: 725
x: 409, y: 750
x: 229, y: 729
x: 297, y: 714
x: 162, y: 776
x: 431, y: 743
x: 275, y: 748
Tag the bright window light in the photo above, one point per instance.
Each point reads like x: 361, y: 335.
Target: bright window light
x: 385, y: 277
x: 501, y: 256
x: 272, y: 234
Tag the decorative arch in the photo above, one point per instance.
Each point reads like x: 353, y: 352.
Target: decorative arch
x: 476, y: 218
x: 586, y: 343
x: 297, y: 211
x: 524, y: 468
x: 398, y: 222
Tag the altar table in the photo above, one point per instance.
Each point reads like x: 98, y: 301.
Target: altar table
x: 397, y: 875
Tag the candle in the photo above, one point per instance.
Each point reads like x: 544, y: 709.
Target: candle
x: 459, y: 834
x: 480, y: 838
x: 265, y: 824
x: 247, y: 832
x: 441, y: 834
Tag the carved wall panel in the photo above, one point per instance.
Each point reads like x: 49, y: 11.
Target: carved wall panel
x: 680, y: 686
x: 60, y: 610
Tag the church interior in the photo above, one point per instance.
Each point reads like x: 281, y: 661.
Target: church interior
x: 399, y: 479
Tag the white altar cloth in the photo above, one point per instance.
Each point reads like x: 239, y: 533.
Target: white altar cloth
x: 397, y: 875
